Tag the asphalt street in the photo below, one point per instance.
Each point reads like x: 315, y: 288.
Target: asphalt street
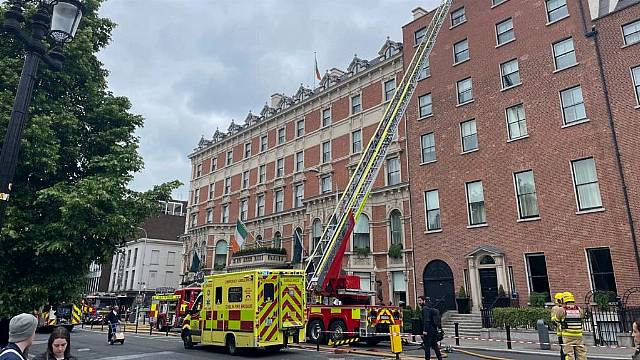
x: 92, y: 344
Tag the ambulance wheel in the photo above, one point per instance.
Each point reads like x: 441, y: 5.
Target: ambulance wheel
x: 315, y: 329
x: 231, y: 345
x: 337, y: 330
x: 187, y: 340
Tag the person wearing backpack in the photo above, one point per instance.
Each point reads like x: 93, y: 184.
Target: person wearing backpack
x: 430, y: 328
x: 22, y: 333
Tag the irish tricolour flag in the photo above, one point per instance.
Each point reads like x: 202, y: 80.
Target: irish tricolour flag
x: 241, y: 236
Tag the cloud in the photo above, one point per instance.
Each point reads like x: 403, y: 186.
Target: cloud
x: 191, y: 66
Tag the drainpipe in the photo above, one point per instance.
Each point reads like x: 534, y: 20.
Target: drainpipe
x: 614, y: 137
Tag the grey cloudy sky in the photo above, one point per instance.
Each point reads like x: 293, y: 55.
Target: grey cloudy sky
x: 189, y: 66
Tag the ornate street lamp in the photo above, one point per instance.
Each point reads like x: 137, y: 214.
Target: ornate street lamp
x: 59, y: 19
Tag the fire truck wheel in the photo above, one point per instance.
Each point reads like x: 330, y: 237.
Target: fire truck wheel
x: 231, y: 345
x: 187, y: 340
x: 337, y: 330
x: 315, y: 329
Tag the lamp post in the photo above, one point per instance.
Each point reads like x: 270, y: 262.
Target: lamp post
x: 141, y: 281
x: 58, y: 18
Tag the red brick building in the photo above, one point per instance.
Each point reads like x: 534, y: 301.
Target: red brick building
x: 516, y: 164
x: 280, y: 171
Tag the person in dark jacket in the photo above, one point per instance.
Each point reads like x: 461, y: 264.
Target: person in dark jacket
x: 430, y: 326
x: 113, y: 318
x: 22, y: 332
x: 58, y: 347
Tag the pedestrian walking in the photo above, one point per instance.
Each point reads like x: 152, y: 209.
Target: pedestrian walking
x: 430, y: 328
x: 113, y: 318
x: 58, y: 346
x: 571, y: 318
x: 636, y: 339
x: 22, y: 333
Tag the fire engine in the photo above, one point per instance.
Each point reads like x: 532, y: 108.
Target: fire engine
x: 326, y: 284
x: 248, y: 309
x: 67, y: 315
x: 169, y: 310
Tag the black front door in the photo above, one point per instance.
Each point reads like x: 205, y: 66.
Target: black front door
x: 489, y: 286
x: 438, y: 285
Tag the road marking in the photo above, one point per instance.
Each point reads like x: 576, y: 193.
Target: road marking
x: 87, y: 349
x: 138, y: 356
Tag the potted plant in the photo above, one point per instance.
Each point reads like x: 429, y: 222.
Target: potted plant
x: 395, y: 251
x: 463, y: 302
x: 362, y: 252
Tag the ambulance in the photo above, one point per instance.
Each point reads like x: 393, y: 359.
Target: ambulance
x: 250, y: 309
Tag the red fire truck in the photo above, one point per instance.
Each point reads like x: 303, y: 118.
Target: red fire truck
x: 339, y: 308
x: 170, y: 309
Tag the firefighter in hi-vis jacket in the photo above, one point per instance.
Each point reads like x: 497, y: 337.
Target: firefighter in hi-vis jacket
x: 571, y: 318
x: 556, y: 312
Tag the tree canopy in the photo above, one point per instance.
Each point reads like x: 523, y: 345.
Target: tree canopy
x: 70, y: 202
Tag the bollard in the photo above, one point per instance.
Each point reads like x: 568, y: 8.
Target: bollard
x: 318, y: 329
x: 508, y: 329
x: 457, y: 330
x: 543, y: 335
x: 167, y: 329
x: 150, y: 328
x: 102, y: 325
x: 137, y: 321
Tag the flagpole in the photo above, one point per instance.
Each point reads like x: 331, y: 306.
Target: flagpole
x: 315, y: 58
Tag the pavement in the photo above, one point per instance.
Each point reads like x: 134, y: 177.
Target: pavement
x: 92, y: 344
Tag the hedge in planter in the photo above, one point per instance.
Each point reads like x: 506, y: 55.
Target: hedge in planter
x: 260, y: 250
x: 520, y: 317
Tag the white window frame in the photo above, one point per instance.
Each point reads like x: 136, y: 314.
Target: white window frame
x: 247, y: 150
x: 326, y: 159
x: 264, y: 143
x: 300, y: 129
x: 262, y: 174
x: 224, y: 214
x: 278, y: 200
x: 503, y: 75
x: 282, y: 135
x: 244, y: 209
x: 229, y: 157
x: 462, y: 136
x: 624, y: 37
x: 458, y: 83
x: 260, y: 205
x: 300, y: 161
x: 212, y: 191
x: 279, y: 168
x: 427, y: 210
x: 484, y: 202
x: 298, y: 198
x: 419, y: 35
x: 535, y: 195
x: 548, y: 12
x: 513, y: 30
x: 354, y: 142
x: 425, y: 70
x: 387, y: 95
x: 635, y: 80
x: 214, y: 164
x: 575, y: 186
x: 457, y: 61
x: 563, y: 107
x: 329, y: 180
x: 398, y: 171
x: 209, y: 218
x: 326, y: 120
x: 422, y: 148
x: 556, y: 55
x: 358, y: 104
x: 524, y: 119
x: 464, y: 17
x: 227, y: 185
x: 245, y: 179
x: 428, y: 106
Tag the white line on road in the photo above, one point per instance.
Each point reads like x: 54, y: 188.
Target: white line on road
x: 137, y: 356
x: 86, y: 349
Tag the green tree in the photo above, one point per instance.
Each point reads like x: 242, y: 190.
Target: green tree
x: 70, y: 204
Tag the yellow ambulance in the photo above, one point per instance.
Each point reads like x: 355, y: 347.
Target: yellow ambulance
x: 248, y: 309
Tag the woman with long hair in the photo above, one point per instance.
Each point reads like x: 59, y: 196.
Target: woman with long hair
x: 58, y: 347
x: 636, y: 338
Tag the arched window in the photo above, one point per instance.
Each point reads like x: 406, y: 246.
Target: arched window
x: 316, y: 233
x: 361, y: 237
x: 277, y: 240
x: 203, y: 253
x: 221, y: 255
x: 487, y: 260
x: 297, y: 246
x: 395, y: 221
x: 259, y: 241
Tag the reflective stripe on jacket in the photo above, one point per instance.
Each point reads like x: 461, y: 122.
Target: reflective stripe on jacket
x: 572, y: 322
